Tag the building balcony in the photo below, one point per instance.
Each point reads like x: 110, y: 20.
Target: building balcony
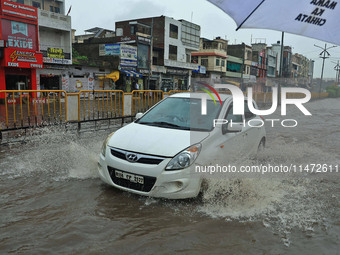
x: 210, y: 52
x: 54, y: 20
x: 178, y: 64
x: 217, y: 69
x: 233, y: 74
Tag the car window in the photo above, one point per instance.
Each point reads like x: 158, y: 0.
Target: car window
x: 231, y: 118
x: 182, y: 113
x: 247, y: 113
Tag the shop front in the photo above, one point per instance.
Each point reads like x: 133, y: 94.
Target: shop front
x: 18, y: 70
x: 175, y: 79
x: 20, y: 55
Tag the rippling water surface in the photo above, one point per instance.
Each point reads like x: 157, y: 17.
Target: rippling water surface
x: 53, y: 202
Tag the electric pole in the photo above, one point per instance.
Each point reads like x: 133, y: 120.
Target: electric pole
x: 324, y: 54
x: 337, y: 69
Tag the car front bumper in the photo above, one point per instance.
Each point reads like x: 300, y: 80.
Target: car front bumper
x: 178, y: 184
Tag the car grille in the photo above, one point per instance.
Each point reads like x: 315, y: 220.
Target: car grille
x: 141, y: 158
x: 149, y: 181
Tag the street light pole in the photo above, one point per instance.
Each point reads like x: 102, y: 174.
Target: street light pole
x: 311, y: 79
x: 150, y: 54
x: 281, y: 69
x: 323, y: 56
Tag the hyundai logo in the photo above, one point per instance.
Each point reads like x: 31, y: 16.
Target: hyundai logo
x: 131, y: 157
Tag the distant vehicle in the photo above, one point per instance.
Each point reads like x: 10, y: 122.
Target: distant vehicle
x: 156, y: 154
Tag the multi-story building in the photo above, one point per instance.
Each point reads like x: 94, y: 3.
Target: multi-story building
x: 244, y: 52
x: 297, y: 70
x: 301, y: 70
x: 20, y: 57
x: 271, y: 69
x: 234, y: 67
x: 271, y: 63
x: 211, y: 57
x: 96, y: 32
x: 296, y: 67
x: 55, y: 38
x: 287, y: 64
x: 259, y: 66
x: 168, y: 66
x: 275, y: 48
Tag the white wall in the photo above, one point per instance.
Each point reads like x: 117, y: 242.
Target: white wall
x: 181, y: 57
x: 68, y: 81
x: 54, y: 20
x: 51, y: 38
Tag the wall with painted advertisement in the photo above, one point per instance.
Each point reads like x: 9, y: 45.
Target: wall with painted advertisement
x: 19, y: 35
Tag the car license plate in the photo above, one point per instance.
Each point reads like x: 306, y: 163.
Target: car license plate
x: 130, y: 177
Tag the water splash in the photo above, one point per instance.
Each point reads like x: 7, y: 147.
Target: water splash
x: 53, y: 153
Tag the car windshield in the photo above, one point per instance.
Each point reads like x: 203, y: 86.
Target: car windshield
x: 182, y: 113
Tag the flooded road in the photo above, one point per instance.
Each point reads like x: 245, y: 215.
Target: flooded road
x: 52, y: 201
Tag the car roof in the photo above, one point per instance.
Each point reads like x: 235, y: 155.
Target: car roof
x: 198, y: 95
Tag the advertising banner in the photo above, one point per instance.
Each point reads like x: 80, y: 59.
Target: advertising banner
x: 55, y: 53
x: 109, y: 49
x: 22, y: 58
x: 128, y: 55
x: 19, y: 35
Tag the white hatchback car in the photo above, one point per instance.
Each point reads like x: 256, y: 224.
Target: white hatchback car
x: 156, y: 155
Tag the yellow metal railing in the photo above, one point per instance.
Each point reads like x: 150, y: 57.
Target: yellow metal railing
x: 142, y: 100
x: 100, y: 104
x: 27, y: 108
x: 32, y: 108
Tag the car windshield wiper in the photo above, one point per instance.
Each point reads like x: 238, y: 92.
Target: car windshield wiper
x: 164, y: 124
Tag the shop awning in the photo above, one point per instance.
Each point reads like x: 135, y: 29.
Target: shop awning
x: 114, y: 76
x: 132, y: 73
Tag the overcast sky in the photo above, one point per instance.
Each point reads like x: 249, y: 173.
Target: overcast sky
x: 213, y: 21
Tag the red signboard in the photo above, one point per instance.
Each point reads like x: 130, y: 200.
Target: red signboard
x: 19, y: 35
x: 22, y: 58
x: 19, y: 10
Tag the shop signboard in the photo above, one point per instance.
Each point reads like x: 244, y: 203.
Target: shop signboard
x: 19, y: 10
x: 55, y: 53
x: 57, y: 61
x: 22, y: 58
x: 128, y: 55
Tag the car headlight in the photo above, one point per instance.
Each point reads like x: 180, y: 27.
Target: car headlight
x: 105, y: 144
x: 185, y: 158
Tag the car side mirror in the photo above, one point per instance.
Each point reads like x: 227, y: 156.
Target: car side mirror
x: 139, y: 115
x: 235, y: 127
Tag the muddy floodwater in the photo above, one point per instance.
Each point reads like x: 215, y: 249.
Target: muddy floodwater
x: 52, y: 201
